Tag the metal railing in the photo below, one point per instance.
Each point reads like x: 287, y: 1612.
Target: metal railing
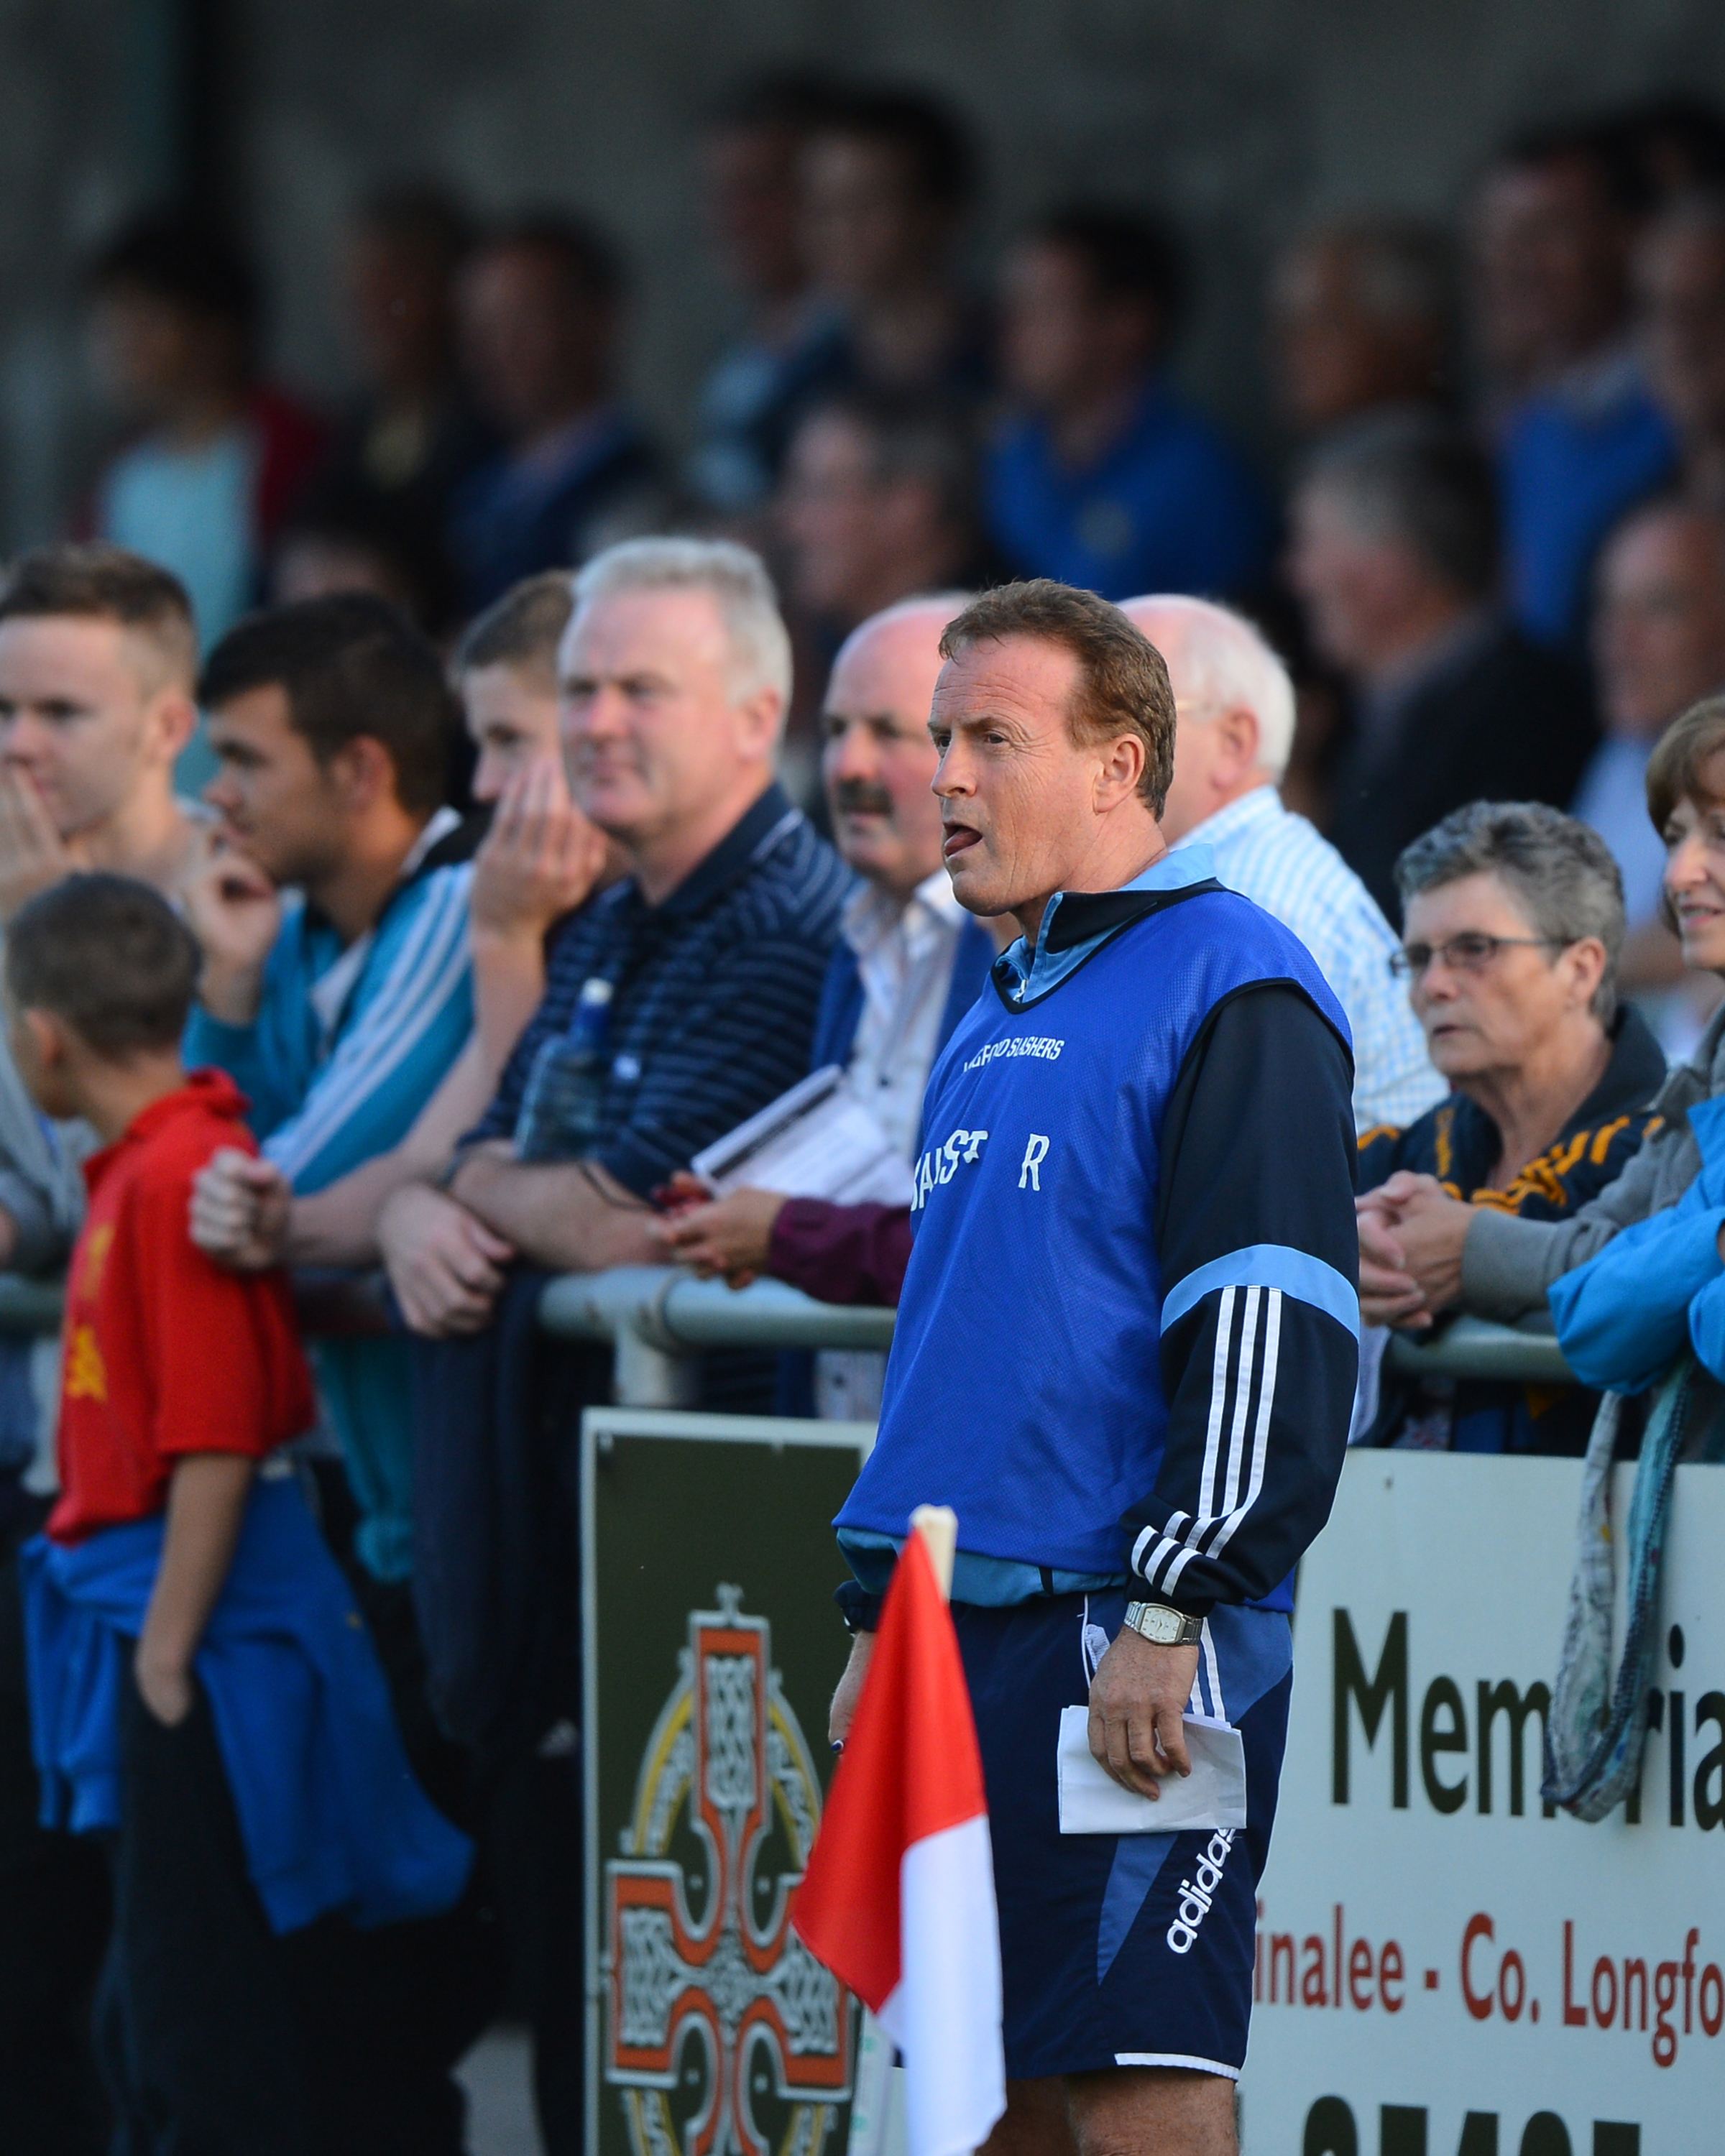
x: 660, y: 1320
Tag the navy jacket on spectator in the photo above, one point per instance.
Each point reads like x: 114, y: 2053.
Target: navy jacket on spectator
x: 1501, y: 720
x: 517, y: 515
x: 1573, y: 461
x: 1169, y: 507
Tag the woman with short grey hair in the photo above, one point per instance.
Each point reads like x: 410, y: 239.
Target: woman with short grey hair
x: 1513, y: 921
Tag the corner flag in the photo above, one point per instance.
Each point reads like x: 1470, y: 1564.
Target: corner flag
x: 898, y: 1899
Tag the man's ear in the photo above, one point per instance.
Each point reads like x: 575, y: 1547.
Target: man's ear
x: 1238, y: 732
x: 362, y: 772
x: 48, y: 1036
x: 1120, y: 771
x: 171, y: 720
x: 762, y: 718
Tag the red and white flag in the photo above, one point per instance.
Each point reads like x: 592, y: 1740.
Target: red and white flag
x: 898, y: 1899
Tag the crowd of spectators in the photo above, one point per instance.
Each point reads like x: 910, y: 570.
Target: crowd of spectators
x: 530, y: 844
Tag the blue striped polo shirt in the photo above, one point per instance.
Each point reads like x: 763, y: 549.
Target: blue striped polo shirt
x: 712, y: 994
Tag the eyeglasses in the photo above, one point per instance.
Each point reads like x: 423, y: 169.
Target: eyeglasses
x: 1471, y: 952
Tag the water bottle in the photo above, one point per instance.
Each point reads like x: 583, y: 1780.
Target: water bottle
x: 561, y: 1107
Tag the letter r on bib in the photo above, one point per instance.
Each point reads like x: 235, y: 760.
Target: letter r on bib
x: 1034, y: 1154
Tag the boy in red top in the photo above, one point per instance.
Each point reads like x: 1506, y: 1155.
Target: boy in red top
x: 200, y: 1683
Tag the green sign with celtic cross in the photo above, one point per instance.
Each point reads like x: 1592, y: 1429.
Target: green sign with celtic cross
x: 710, y: 1648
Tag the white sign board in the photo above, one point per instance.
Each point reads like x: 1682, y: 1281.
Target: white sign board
x: 1443, y: 1970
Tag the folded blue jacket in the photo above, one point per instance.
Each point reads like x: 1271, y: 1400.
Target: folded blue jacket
x: 331, y: 1816
x: 1655, y: 1289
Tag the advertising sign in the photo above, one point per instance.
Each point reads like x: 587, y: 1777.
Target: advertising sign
x: 710, y: 1649
x: 1444, y: 1967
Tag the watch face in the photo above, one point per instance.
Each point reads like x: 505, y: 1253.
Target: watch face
x: 1161, y: 1626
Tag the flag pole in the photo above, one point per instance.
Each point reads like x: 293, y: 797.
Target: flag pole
x: 938, y: 1526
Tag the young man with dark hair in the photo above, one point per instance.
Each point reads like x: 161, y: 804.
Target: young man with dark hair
x: 337, y: 987
x: 250, y: 1793
x: 540, y: 307
x: 412, y: 434
x: 887, y: 178
x: 216, y: 459
x: 1104, y: 478
x: 1580, y: 437
x: 541, y: 859
x: 791, y: 340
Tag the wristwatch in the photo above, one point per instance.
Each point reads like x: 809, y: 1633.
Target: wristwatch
x: 1163, y: 1627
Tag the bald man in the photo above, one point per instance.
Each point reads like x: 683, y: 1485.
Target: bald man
x: 1234, y: 705
x: 909, y: 964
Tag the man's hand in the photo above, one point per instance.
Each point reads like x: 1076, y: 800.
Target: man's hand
x: 541, y: 857
x: 446, y: 1267
x: 1389, y: 1294
x: 1138, y: 1700
x: 235, y: 912
x: 32, y: 855
x: 240, y: 1209
x: 730, y: 1235
x: 1431, y: 1228
x: 166, y: 1684
x: 850, y: 1685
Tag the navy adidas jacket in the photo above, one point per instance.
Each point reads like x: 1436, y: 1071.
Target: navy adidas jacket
x: 1127, y: 1346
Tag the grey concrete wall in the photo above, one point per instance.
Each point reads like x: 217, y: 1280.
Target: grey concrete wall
x: 67, y: 160
x: 1243, y: 117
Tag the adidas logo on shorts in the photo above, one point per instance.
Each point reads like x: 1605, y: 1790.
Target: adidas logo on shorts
x: 1197, y: 1894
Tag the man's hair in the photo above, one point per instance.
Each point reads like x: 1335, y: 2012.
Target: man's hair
x: 351, y: 665
x: 925, y: 132
x: 186, y: 261
x: 419, y: 216
x: 99, y: 582
x: 523, y: 629
x: 1680, y: 756
x: 732, y: 577
x: 913, y: 437
x: 1588, y: 142
x: 1122, y: 683
x: 792, y: 99
x: 592, y: 269
x: 110, y: 957
x: 1560, y: 872
x: 1423, y: 483
x: 1227, y: 665
x: 1127, y: 255
x: 1400, y: 270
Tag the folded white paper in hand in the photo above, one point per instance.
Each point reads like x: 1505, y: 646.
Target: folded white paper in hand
x: 1213, y: 1794
x: 816, y: 1140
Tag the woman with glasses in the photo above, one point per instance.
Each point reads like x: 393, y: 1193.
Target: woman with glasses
x: 1513, y: 920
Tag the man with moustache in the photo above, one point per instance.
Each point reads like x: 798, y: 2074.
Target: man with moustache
x: 911, y: 963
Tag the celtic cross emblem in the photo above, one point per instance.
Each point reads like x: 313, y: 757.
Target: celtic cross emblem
x: 708, y: 1988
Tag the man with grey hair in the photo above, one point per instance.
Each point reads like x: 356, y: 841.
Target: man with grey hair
x: 1234, y: 707
x: 684, y: 998
x: 1515, y: 922
x: 1395, y: 554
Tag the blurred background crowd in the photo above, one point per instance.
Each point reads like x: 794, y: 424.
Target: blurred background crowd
x: 1479, y: 517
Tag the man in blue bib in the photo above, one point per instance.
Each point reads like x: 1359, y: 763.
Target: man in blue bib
x: 1125, y: 1357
